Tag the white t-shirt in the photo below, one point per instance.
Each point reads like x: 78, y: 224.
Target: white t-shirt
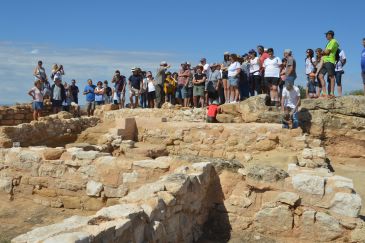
x: 272, y: 67
x: 339, y: 66
x: 151, y: 86
x: 291, y: 97
x: 309, y: 66
x: 232, y: 69
x: 254, y: 66
x: 206, y: 69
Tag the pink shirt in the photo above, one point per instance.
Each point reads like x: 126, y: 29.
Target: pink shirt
x: 183, y: 77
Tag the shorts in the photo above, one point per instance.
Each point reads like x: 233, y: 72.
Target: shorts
x: 99, y: 102
x: 180, y: 92
x: 271, y: 81
x: 151, y: 95
x: 338, y: 77
x: 188, y: 92
x: 329, y: 68
x: 37, y: 105
x: 134, y: 92
x: 90, y: 105
x: 198, y: 90
x: 363, y: 77
x: 56, y: 103
x: 211, y: 119
x: 224, y: 74
x: 233, y: 81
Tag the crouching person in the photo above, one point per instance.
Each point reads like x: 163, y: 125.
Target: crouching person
x: 213, y: 110
x: 290, y: 103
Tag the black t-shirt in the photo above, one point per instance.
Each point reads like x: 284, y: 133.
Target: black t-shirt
x: 135, y: 81
x: 74, y: 90
x: 198, y: 76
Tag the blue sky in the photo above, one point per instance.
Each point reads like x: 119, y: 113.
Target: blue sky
x: 93, y: 38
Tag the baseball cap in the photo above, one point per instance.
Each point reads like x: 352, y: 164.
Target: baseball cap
x: 251, y: 51
x: 163, y: 63
x: 203, y: 59
x: 227, y: 53
x: 287, y: 51
x: 330, y: 32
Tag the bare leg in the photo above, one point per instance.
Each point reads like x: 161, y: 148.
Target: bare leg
x: 323, y: 84
x: 226, y: 90
x: 195, y: 101
x: 332, y: 82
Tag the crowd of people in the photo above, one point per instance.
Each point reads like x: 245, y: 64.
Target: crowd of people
x: 238, y: 77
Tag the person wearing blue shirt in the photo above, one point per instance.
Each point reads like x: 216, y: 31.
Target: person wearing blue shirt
x: 363, y: 64
x: 89, y: 91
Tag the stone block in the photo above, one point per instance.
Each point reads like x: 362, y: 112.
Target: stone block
x: 346, y: 204
x: 94, y: 188
x: 71, y: 202
x: 310, y: 184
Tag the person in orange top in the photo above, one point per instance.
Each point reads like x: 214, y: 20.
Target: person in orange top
x: 212, y: 111
x: 169, y: 88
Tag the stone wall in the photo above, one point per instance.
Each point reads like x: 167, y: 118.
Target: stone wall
x: 172, y: 209
x: 50, y: 130
x: 19, y: 114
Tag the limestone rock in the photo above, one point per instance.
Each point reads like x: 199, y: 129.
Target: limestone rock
x: 6, y: 184
x: 274, y: 220
x: 94, y: 188
x: 152, y: 164
x: 52, y: 153
x: 79, y: 237
x: 130, y: 177
x: 310, y: 184
x: 289, y: 198
x: 113, y: 192
x: 120, y: 210
x: 266, y: 173
x: 346, y: 204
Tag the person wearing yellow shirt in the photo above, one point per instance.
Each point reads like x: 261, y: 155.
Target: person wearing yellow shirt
x: 328, y: 67
x: 169, y: 88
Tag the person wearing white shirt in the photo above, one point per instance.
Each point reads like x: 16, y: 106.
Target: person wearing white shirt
x: 272, y: 67
x: 310, y: 62
x: 340, y: 62
x: 234, y: 70
x: 290, y: 101
x: 206, y: 67
x: 255, y: 76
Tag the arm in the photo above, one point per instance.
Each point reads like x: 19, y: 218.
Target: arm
x: 35, y: 73
x: 203, y: 80
x: 282, y: 103
x: 31, y: 93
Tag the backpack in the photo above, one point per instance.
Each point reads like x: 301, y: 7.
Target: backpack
x: 337, y: 55
x: 108, y: 91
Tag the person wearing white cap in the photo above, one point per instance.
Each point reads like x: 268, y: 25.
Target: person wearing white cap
x: 160, y: 80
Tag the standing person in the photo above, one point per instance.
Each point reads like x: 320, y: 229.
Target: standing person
x: 169, y: 88
x: 262, y: 57
x: 318, y: 67
x: 189, y: 88
x: 143, y: 101
x: 363, y: 64
x: 282, y: 77
x: 233, y: 77
x: 255, y: 77
x: 199, y: 85
x: 272, y: 66
x: 244, y: 78
x: 119, y: 88
x: 57, y: 72
x: 224, y: 68
x: 40, y: 73
x: 291, y: 65
x: 37, y: 94
x: 134, y: 85
x: 58, y: 95
x: 291, y: 103
x: 328, y: 67
x: 99, y: 93
x: 89, y: 91
x: 206, y: 66
x: 175, y: 77
x: 67, y: 102
x: 160, y: 79
x: 339, y: 64
x: 74, y: 90
x: 182, y: 81
x: 310, y: 63
x: 151, y: 89
x: 108, y: 95
x: 213, y: 83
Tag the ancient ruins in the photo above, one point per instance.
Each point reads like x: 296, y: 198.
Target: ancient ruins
x: 164, y: 175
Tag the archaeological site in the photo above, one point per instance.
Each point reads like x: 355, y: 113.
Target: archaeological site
x: 165, y: 175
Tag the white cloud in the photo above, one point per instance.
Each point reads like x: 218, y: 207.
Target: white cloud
x: 17, y: 64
